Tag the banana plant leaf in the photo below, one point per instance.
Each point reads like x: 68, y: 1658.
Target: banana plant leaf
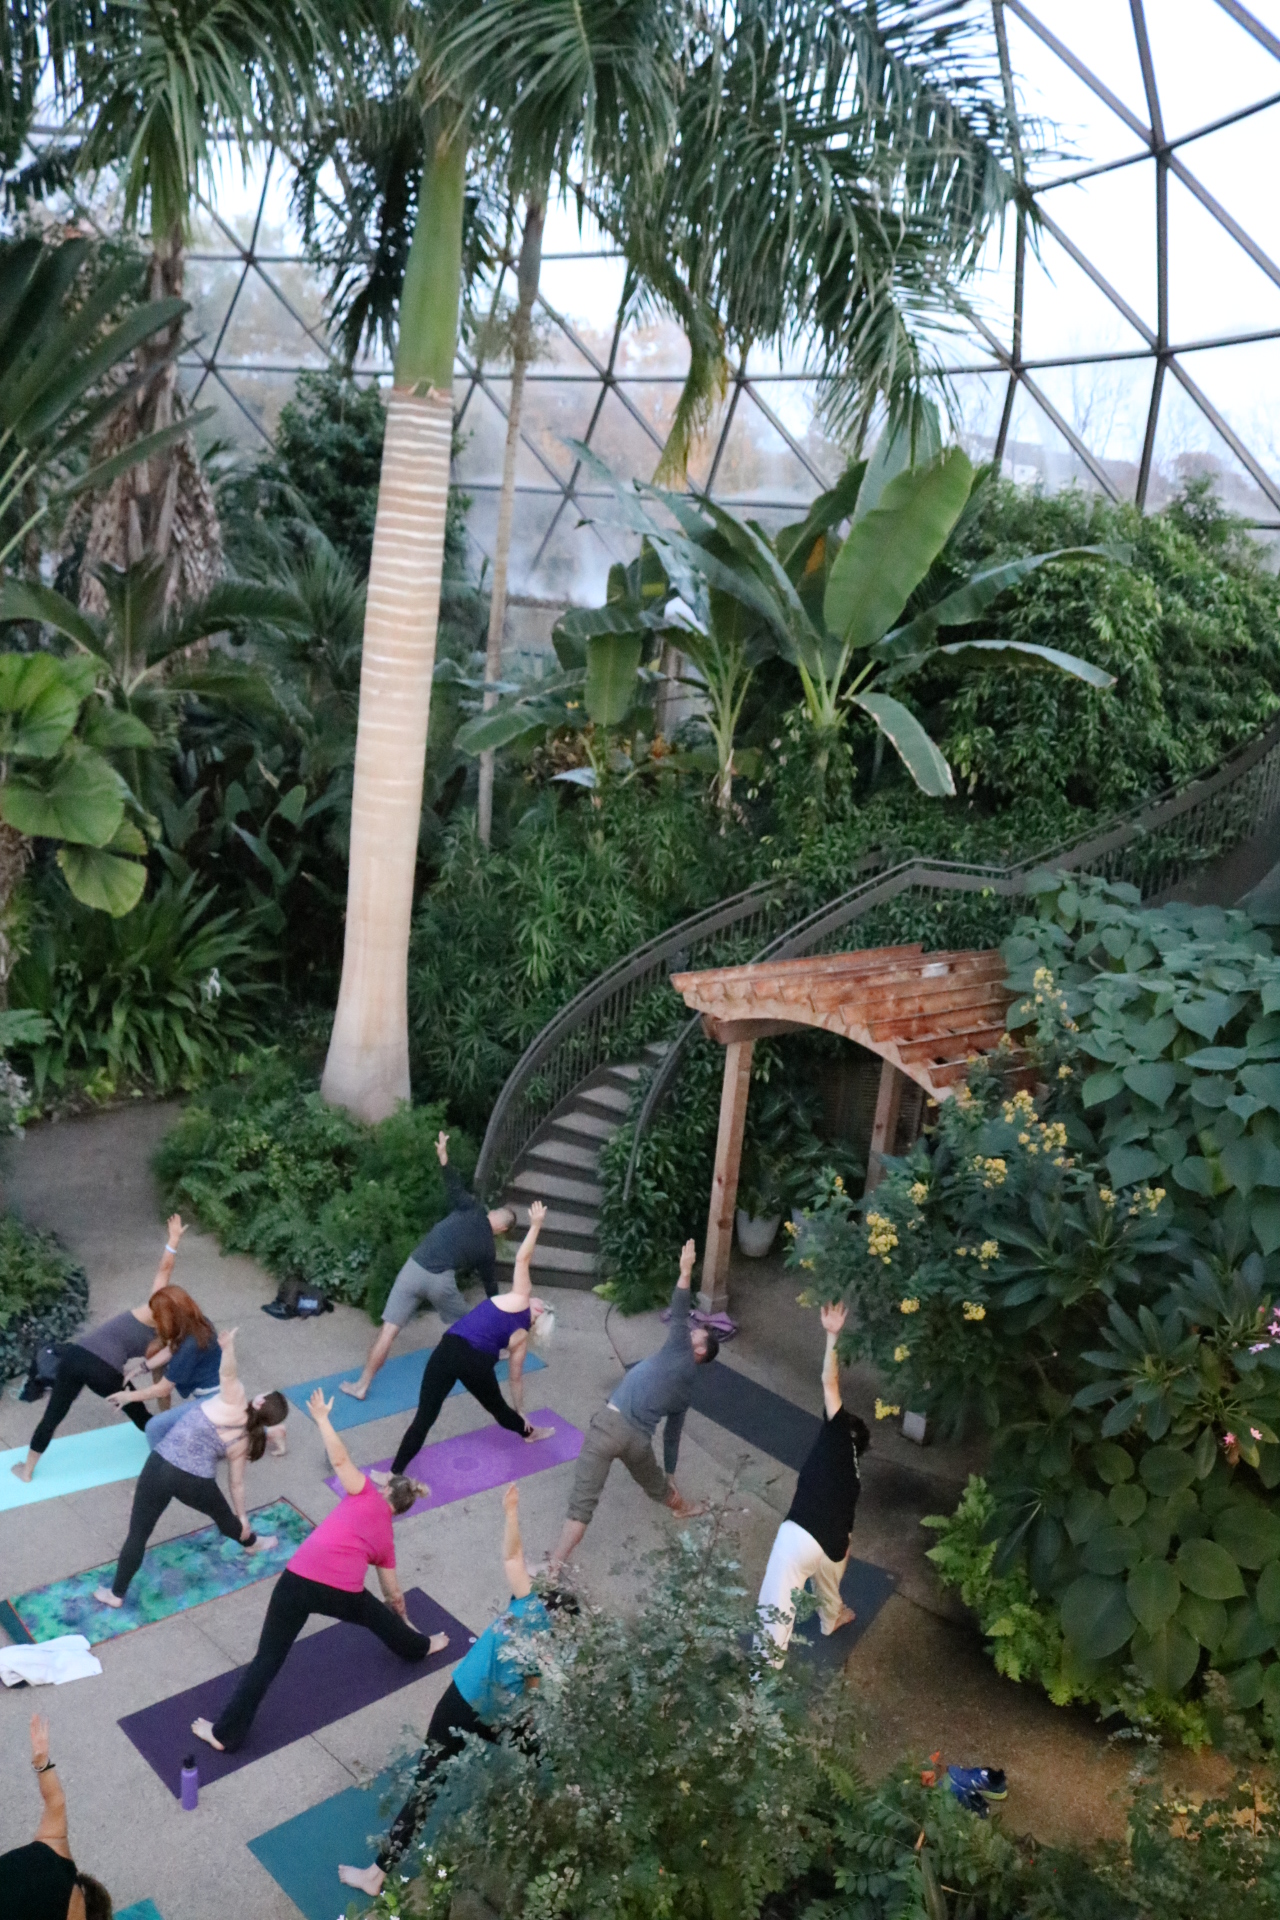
x: 914, y: 748
x: 970, y: 601
x: 1070, y: 663
x: 889, y: 551
x: 894, y: 452
x: 613, y: 663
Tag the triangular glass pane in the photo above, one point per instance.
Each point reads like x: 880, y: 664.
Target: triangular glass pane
x: 1237, y: 165
x: 1065, y: 312
x: 1106, y: 404
x: 247, y: 406
x: 1078, y: 127
x: 652, y: 348
x: 656, y: 401
x: 554, y: 410
x: 1100, y: 34
x: 978, y: 401
x: 797, y: 404
x: 1206, y: 64
x: 1037, y: 455
x: 262, y: 330
x: 1215, y: 289
x: 631, y: 450
x: 586, y: 293
x: 1243, y: 385
x: 1112, y: 220
x: 575, y: 562
x: 1188, y: 447
x: 757, y: 468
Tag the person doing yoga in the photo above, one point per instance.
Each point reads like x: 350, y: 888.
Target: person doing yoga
x: 487, y: 1686
x: 470, y: 1352
x: 429, y: 1277
x: 660, y: 1388
x: 41, y: 1880
x: 184, y: 1466
x: 98, y: 1360
x: 813, y: 1541
x: 326, y: 1575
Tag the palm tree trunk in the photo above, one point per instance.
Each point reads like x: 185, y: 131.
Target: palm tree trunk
x: 367, y: 1069
x: 527, y: 276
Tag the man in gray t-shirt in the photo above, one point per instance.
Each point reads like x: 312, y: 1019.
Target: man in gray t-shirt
x: 429, y: 1277
x: 660, y: 1388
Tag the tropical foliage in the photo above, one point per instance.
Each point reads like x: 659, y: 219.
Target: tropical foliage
x: 44, y: 1294
x: 1088, y: 1271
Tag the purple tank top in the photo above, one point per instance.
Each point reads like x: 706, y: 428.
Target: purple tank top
x: 488, y: 1328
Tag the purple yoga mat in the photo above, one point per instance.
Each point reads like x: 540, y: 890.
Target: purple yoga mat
x: 474, y: 1462
x: 327, y: 1676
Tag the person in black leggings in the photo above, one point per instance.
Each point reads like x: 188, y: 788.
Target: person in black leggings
x: 97, y: 1360
x: 470, y: 1351
x: 484, y: 1693
x: 41, y: 1881
x: 326, y: 1575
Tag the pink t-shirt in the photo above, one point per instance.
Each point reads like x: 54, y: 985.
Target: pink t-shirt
x: 357, y: 1535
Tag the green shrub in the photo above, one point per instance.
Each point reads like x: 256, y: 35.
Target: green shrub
x: 44, y: 1294
x: 1119, y: 1338
x: 306, y: 1189
x: 167, y: 997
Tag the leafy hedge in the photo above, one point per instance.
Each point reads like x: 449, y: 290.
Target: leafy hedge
x: 1092, y: 1273
x: 307, y: 1190
x: 44, y: 1294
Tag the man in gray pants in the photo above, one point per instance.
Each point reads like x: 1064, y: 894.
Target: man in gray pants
x: 660, y: 1388
x: 429, y: 1277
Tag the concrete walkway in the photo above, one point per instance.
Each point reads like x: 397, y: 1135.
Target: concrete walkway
x: 919, y: 1673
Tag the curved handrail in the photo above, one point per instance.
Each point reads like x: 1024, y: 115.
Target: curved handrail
x: 1101, y: 851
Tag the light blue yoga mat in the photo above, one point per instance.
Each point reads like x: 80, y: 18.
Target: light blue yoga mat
x: 394, y: 1390
x: 142, y: 1910
x: 302, y: 1855
x: 74, y: 1464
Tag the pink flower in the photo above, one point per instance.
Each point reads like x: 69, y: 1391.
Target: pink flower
x: 1228, y: 1441
x: 1255, y: 1432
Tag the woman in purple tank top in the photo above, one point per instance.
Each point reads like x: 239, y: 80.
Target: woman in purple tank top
x: 470, y: 1352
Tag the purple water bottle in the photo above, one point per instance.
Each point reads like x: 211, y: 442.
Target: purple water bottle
x: 190, y: 1784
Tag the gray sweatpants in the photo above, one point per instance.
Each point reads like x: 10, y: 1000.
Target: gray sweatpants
x: 414, y: 1287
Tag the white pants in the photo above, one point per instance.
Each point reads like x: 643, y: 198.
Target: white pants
x: 797, y: 1557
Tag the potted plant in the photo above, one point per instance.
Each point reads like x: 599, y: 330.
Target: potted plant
x: 783, y: 1159
x: 761, y: 1202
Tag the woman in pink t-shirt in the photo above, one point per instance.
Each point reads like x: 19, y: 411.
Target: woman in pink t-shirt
x: 326, y: 1575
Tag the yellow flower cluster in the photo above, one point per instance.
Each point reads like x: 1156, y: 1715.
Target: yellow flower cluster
x: 994, y: 1171
x: 919, y: 1193
x: 909, y: 1306
x: 1106, y: 1196
x: 1045, y: 995
x: 884, y: 1411
x: 901, y: 1353
x: 1043, y: 979
x: 1020, y: 1107
x: 881, y: 1238
x: 1064, y: 1071
x: 973, y: 1311
x: 1146, y: 1199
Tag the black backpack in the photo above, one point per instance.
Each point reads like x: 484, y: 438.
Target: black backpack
x: 43, y: 1373
x: 295, y: 1300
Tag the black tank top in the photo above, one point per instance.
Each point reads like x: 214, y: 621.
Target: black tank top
x: 35, y: 1883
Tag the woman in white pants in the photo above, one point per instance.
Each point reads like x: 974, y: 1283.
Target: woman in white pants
x: 813, y: 1541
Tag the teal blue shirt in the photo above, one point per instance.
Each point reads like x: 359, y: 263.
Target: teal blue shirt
x: 491, y: 1676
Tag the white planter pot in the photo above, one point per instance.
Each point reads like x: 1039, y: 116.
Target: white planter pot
x: 755, y: 1237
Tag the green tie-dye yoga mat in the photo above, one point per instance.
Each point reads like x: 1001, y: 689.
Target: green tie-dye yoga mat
x: 177, y: 1574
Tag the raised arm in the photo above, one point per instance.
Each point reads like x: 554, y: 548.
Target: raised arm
x: 53, y: 1818
x: 176, y: 1231
x: 682, y: 1297
x: 229, y: 1387
x: 833, y: 1319
x: 522, y: 1278
x: 514, y: 1564
x: 350, y: 1478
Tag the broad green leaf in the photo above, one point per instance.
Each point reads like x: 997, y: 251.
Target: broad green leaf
x: 1208, y: 1014
x: 1100, y: 1086
x: 1166, y: 1658
x: 915, y: 749
x: 103, y: 880
x: 1216, y: 1059
x: 110, y: 730
x: 1267, y: 1593
x: 1209, y: 1570
x: 1114, y: 1465
x: 40, y: 700
x: 890, y: 550
x: 498, y: 728
x: 1110, y: 1550
x: 1069, y: 663
x: 1086, y: 1512
x: 1196, y: 1175
x: 1154, y: 1081
x: 1127, y: 1165
x: 1247, y: 1635
x: 1245, y: 1686
x: 21, y: 1027
x: 291, y: 806
x: 969, y: 602
x: 1128, y: 1502
x: 1095, y: 1616
x: 1263, y: 1082
x: 1271, y: 1690
x: 1167, y: 1470
x: 1153, y: 1591
x: 1250, y: 1533
x: 80, y: 800
x: 895, y: 451
x: 1205, y: 1619
x: 613, y: 660
x: 29, y: 600
x: 795, y: 543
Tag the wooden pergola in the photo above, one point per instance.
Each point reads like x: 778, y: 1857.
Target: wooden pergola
x: 927, y: 1015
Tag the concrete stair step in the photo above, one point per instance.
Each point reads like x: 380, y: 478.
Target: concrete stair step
x: 578, y: 1226
x: 563, y: 1153
x: 556, y: 1186
x: 614, y: 1099
x: 589, y: 1126
x: 577, y: 1262
x: 630, y: 1072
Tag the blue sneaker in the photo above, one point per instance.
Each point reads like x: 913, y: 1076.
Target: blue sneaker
x: 976, y: 1787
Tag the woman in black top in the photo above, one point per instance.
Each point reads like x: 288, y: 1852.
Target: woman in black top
x: 813, y: 1541
x: 40, y: 1881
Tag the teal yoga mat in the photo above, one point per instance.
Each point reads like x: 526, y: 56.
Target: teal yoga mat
x: 179, y: 1573
x: 394, y: 1389
x: 74, y: 1464
x: 141, y: 1910
x: 302, y: 1855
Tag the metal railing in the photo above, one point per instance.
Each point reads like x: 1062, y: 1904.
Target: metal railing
x: 614, y: 1016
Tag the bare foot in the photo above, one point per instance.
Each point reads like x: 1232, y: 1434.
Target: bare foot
x: 277, y: 1447
x: 368, y: 1879
x: 685, y: 1509
x: 538, y: 1433
x: 437, y: 1643
x: 203, y: 1730
x: 845, y: 1618
x: 105, y: 1597
x: 357, y: 1389
x: 380, y: 1477
x: 263, y: 1543
x: 23, y: 1471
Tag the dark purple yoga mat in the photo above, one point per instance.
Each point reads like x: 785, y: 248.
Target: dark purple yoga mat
x: 327, y: 1676
x: 474, y: 1462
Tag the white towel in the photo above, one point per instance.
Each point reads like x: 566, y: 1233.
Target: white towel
x: 49, y: 1664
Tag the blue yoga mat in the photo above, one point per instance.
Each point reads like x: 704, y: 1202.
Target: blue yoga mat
x: 73, y: 1465
x: 394, y: 1389
x: 142, y: 1910
x: 302, y: 1855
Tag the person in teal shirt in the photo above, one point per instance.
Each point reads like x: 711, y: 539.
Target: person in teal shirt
x: 488, y: 1685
